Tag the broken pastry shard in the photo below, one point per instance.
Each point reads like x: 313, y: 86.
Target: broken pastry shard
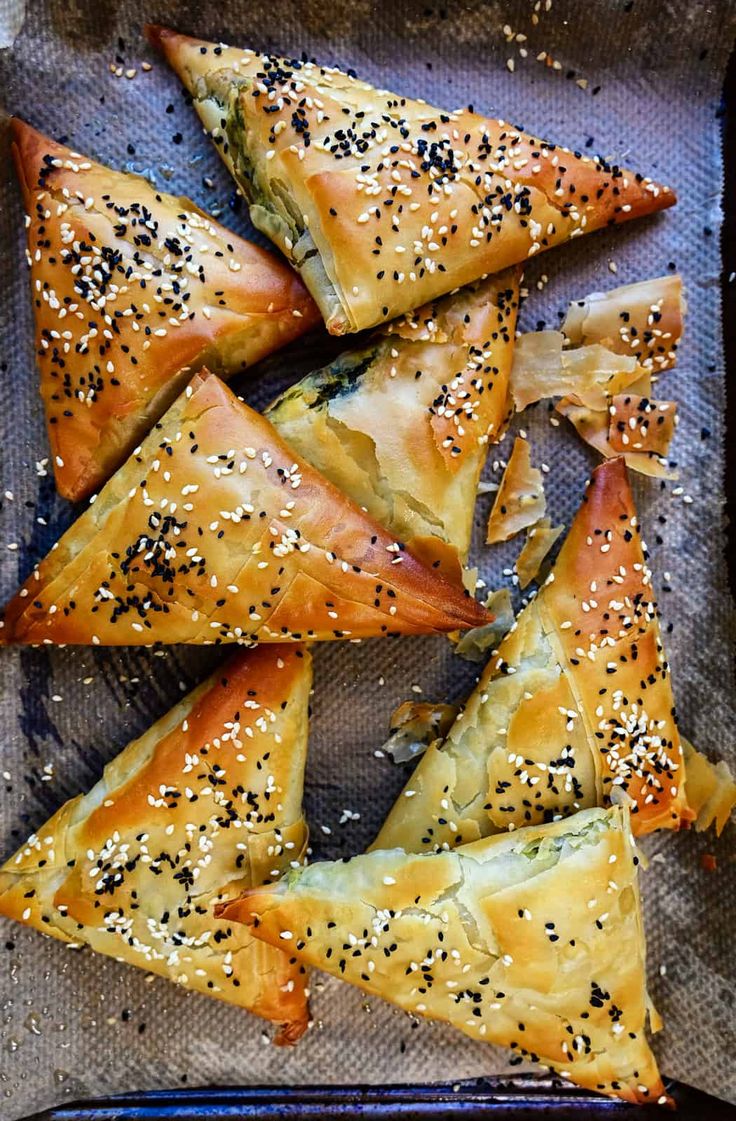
x: 598, y: 427
x: 205, y: 804
x: 520, y: 501
x: 575, y: 704
x: 641, y: 424
x: 540, y: 538
x: 497, y: 938
x: 641, y: 320
x: 711, y: 789
x: 615, y: 339
x: 383, y: 202
x: 214, y: 531
x: 402, y: 425
x: 133, y: 288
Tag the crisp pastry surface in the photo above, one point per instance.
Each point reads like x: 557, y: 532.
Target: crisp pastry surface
x: 608, y: 341
x: 383, y: 202
x: 532, y: 940
x: 206, y: 803
x: 402, y: 425
x: 641, y: 424
x: 576, y: 702
x: 215, y: 531
x: 133, y: 289
x: 641, y: 320
x: 595, y: 422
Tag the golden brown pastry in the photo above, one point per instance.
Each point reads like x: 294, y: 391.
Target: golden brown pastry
x: 641, y: 320
x: 608, y: 341
x: 545, y: 367
x: 133, y: 289
x: 641, y: 424
x: 598, y: 424
x: 381, y: 202
x: 204, y: 804
x: 575, y: 703
x: 215, y: 531
x: 402, y: 425
x: 532, y: 940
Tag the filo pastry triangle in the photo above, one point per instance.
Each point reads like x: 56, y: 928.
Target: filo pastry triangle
x: 403, y: 423
x: 133, y: 289
x: 215, y: 531
x: 574, y: 705
x: 383, y: 202
x: 532, y: 940
x: 204, y: 804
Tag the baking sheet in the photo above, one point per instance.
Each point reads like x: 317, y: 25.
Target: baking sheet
x: 638, y: 81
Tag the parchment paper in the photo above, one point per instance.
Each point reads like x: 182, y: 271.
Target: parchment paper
x: 73, y: 1024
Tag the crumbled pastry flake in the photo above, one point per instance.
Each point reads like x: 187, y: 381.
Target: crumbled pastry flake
x: 540, y: 538
x: 711, y: 789
x: 520, y: 501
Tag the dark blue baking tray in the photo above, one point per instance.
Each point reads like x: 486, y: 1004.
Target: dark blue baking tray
x: 523, y: 1098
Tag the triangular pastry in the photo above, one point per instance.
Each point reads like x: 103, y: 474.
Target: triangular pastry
x: 215, y: 531
x: 382, y: 202
x: 204, y: 804
x: 403, y: 424
x: 575, y: 703
x: 532, y: 940
x: 133, y: 289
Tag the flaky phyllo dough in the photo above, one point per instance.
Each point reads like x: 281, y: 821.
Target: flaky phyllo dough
x: 520, y: 501
x: 403, y: 424
x: 382, y: 202
x: 604, y: 365
x: 215, y: 531
x: 204, y: 804
x: 532, y: 940
x: 575, y: 705
x: 133, y: 290
x: 642, y: 320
